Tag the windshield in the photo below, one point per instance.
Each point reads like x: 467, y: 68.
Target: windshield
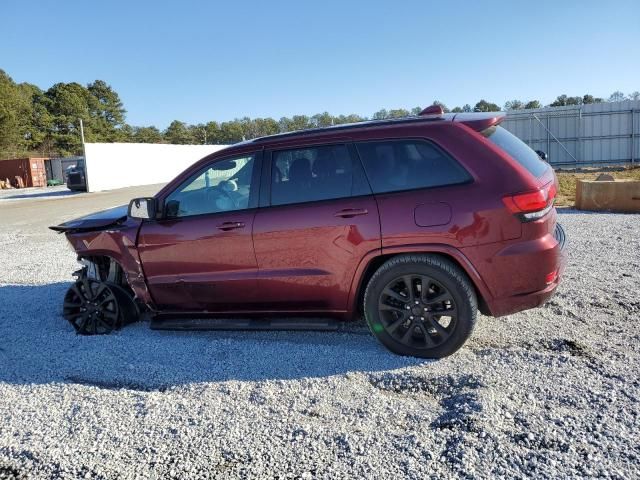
x: 517, y: 149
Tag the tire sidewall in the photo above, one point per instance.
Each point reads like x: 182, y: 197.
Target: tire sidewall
x: 464, y: 321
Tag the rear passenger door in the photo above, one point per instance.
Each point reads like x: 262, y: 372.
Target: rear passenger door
x: 419, y: 189
x: 318, y: 220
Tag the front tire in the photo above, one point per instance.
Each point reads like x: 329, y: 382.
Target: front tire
x: 420, y: 305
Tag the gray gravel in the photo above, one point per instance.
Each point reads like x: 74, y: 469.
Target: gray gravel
x: 546, y: 393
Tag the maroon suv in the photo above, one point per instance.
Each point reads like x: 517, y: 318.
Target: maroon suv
x: 417, y: 222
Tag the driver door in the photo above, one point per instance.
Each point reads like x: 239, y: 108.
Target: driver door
x: 199, y: 256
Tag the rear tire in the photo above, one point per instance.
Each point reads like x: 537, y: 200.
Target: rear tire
x: 420, y: 305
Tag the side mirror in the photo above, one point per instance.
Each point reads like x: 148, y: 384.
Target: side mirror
x: 542, y: 155
x: 144, y: 208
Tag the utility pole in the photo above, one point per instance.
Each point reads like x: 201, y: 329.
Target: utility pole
x: 84, y: 154
x: 82, y: 133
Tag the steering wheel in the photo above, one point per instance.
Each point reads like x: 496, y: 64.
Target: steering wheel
x: 218, y: 192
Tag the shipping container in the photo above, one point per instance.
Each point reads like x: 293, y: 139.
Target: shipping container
x: 31, y: 171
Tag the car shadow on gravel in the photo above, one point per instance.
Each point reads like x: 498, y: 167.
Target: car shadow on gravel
x: 38, y: 346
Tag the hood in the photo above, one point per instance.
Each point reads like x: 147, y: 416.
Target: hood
x: 94, y: 221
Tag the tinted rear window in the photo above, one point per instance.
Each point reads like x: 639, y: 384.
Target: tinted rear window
x: 396, y: 165
x: 517, y: 149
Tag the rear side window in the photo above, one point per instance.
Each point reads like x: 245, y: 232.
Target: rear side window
x: 408, y: 164
x: 314, y: 173
x: 517, y: 149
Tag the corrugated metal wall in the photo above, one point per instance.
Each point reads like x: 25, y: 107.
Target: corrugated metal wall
x: 581, y: 134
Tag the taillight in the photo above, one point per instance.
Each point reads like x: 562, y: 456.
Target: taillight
x: 532, y: 205
x: 551, y: 277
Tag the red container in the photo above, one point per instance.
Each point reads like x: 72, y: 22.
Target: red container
x: 30, y: 170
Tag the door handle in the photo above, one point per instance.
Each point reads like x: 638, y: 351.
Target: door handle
x: 351, y: 212
x: 226, y: 226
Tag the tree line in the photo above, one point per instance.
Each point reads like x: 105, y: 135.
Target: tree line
x: 46, y: 123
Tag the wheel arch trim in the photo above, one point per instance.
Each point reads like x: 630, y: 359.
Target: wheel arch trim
x: 357, y: 285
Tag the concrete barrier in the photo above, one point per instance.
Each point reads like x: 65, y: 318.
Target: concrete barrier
x: 118, y: 165
x: 612, y: 196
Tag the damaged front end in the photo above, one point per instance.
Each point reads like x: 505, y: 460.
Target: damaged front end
x: 110, y: 287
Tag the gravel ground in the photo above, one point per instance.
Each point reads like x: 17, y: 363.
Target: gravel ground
x: 551, y: 392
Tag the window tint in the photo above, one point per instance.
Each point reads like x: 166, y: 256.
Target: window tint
x: 517, y: 149
x: 221, y: 187
x: 408, y: 164
x: 315, y: 173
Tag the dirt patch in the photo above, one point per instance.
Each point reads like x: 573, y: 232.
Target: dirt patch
x: 457, y: 395
x: 567, y: 179
x: 563, y: 345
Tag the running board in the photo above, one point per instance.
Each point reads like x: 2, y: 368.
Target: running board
x: 313, y: 324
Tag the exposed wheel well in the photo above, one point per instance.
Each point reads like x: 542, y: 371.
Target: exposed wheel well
x: 377, y: 262
x: 106, y: 269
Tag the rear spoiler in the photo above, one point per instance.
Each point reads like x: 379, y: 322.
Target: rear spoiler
x: 478, y: 121
x: 475, y: 120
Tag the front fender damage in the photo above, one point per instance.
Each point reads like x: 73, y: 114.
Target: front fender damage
x: 119, y: 244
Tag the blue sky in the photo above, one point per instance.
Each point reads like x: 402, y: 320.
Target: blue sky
x: 201, y: 61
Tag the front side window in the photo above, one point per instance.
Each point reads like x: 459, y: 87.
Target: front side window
x: 223, y: 186
x: 314, y: 173
x: 408, y: 164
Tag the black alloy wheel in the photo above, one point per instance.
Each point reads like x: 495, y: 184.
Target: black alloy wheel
x: 92, y: 307
x: 417, y: 311
x: 422, y: 305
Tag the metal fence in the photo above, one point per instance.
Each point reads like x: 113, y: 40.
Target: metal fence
x: 581, y: 135
x: 57, y: 167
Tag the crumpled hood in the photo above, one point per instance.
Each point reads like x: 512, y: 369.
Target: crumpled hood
x: 94, y: 221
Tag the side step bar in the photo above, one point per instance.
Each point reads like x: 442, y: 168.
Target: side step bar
x: 306, y: 324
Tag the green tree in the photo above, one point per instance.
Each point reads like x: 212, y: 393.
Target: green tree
x: 178, y: 133
x: 231, y: 132
x: 68, y: 103
x: 634, y: 95
x: 617, y: 96
x: 40, y: 122
x: 563, y: 101
x: 13, y: 110
x: 398, y: 113
x: 457, y: 110
x: 560, y: 101
x: 198, y: 133
x: 146, y: 135
x: 531, y: 104
x: 266, y: 126
x: 415, y: 111
x: 513, y: 105
x: 323, y: 119
x: 107, y: 112
x: 297, y: 122
x: 214, y: 133
x: 484, y: 106
x: 381, y: 114
x: 467, y: 108
x: 352, y: 118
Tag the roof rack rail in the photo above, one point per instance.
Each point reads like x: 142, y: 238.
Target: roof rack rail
x: 349, y: 126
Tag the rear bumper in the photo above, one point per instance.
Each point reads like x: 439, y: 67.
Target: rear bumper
x: 523, y: 301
